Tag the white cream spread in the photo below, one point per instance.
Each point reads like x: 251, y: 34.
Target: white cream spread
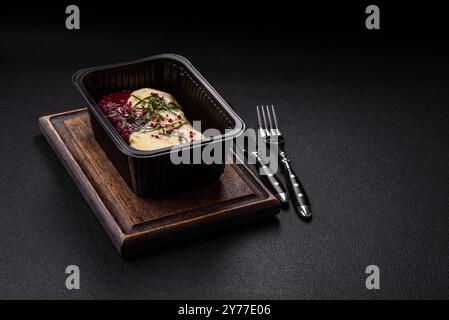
x: 169, y: 128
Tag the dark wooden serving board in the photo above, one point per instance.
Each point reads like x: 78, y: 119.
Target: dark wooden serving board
x: 135, y: 223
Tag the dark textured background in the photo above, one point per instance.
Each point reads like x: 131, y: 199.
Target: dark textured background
x: 366, y: 119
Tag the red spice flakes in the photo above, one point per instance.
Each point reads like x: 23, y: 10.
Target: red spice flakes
x: 179, y: 117
x: 170, y: 120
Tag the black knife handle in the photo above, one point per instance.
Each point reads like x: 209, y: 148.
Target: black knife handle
x: 297, y: 192
x: 275, y: 184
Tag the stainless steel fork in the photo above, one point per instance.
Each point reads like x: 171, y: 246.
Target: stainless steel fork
x: 270, y: 132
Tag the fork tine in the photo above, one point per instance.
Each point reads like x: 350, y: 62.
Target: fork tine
x: 276, y: 126
x: 271, y: 129
x: 267, y: 130
x: 260, y: 123
x: 259, y: 119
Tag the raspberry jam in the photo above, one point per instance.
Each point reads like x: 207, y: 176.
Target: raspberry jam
x: 115, y: 108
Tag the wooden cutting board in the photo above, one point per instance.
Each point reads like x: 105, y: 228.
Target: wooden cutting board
x: 136, y: 224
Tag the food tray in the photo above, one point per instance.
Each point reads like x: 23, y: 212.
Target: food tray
x: 152, y: 172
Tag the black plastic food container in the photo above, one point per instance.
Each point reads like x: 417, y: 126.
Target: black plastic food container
x: 152, y: 173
